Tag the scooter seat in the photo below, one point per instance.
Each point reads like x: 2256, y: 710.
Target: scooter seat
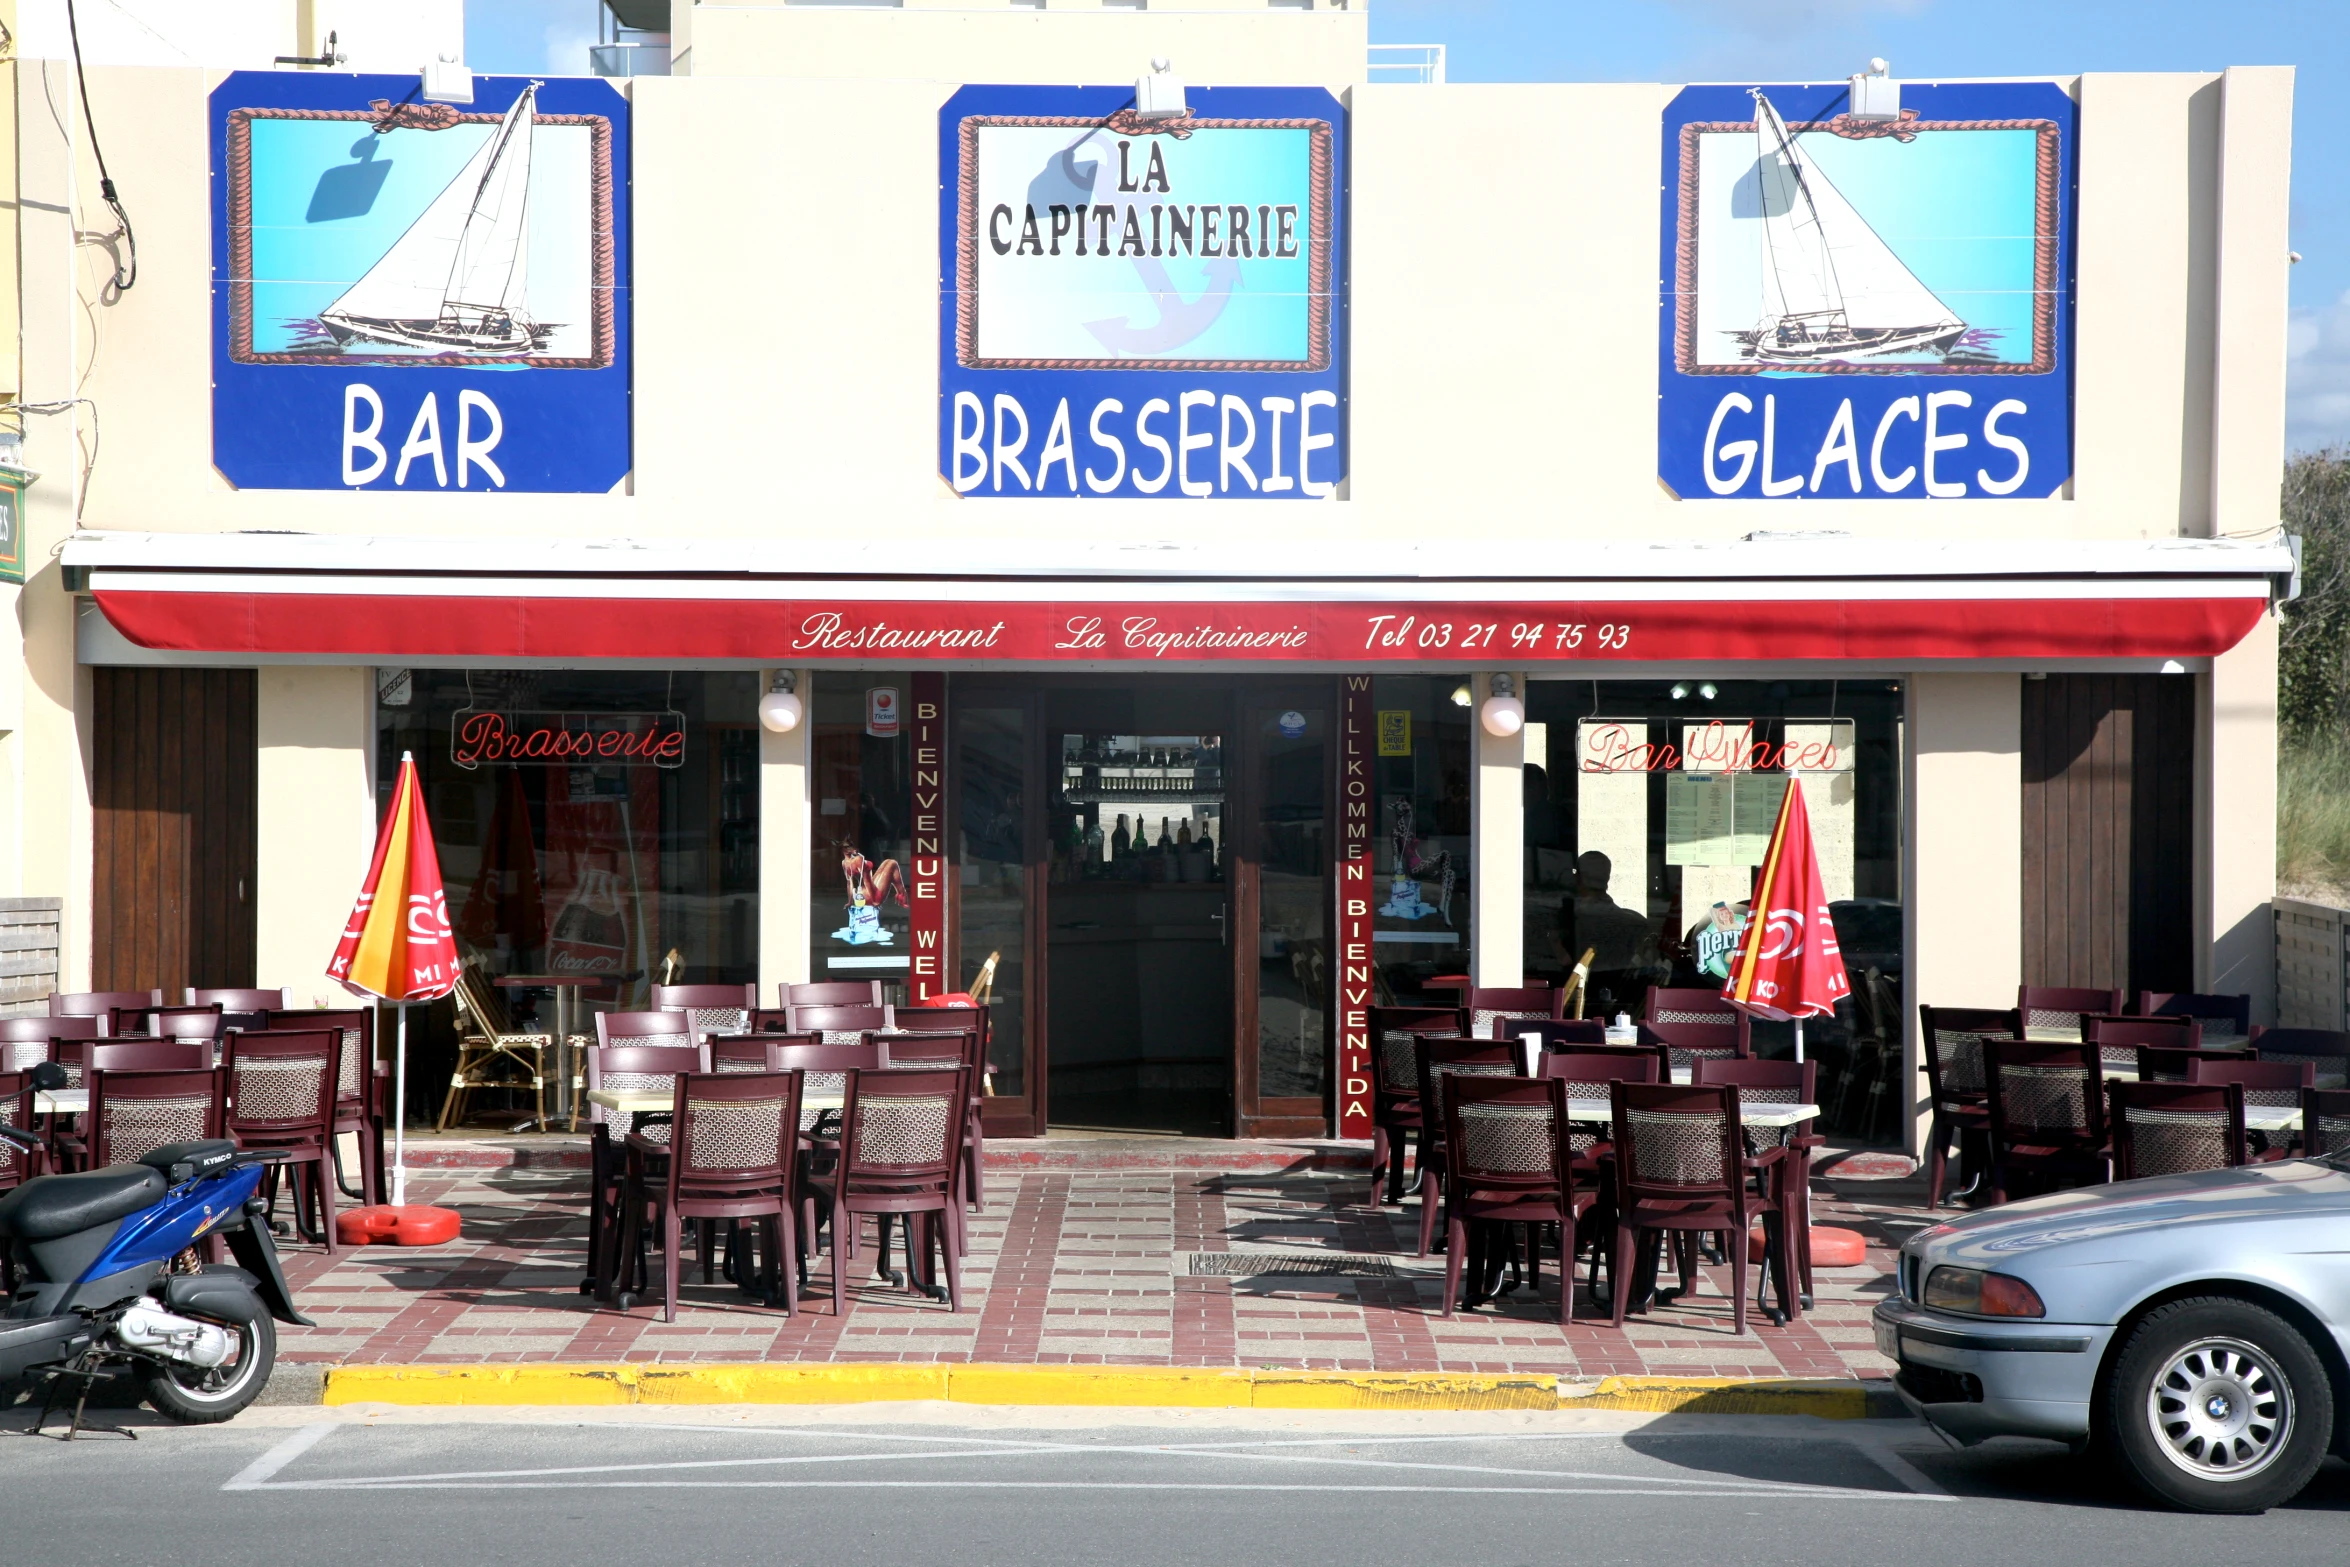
x: 53, y: 1205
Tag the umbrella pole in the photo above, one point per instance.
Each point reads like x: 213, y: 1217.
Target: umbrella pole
x: 1799, y: 1041
x: 400, y: 1110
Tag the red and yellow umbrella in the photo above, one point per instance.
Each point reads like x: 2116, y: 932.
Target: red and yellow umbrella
x: 398, y: 944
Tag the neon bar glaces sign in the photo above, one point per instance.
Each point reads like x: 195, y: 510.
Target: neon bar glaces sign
x: 1634, y: 745
x: 485, y: 737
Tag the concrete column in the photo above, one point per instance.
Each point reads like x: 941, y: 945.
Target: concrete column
x: 1497, y: 838
x: 784, y: 886
x: 315, y: 802
x: 2249, y: 299
x: 2236, y: 817
x: 1962, y: 880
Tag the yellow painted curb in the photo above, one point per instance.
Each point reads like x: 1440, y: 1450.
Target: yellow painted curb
x: 1169, y: 1387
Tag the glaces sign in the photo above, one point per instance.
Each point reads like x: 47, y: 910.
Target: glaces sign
x: 1142, y: 308
x: 539, y: 739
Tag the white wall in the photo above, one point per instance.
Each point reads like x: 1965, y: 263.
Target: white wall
x: 314, y: 808
x: 248, y: 35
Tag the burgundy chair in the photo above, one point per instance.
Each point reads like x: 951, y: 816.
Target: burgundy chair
x: 976, y: 1022
x: 1686, y: 1043
x: 1395, y: 1085
x: 100, y: 1003
x: 825, y: 1070
x: 281, y: 1090
x: 710, y: 1009
x: 134, y: 1113
x: 1507, y: 1140
x: 1587, y: 1074
x: 745, y: 1052
x: 236, y: 1000
x: 899, y: 1145
x: 2063, y: 1006
x: 2161, y: 1064
x: 355, y: 1111
x: 830, y: 993
x: 2271, y: 1085
x: 930, y: 1050
x: 2175, y: 1128
x: 166, y: 1023
x: 26, y: 1042
x: 2225, y: 1019
x: 627, y: 1068
x: 1436, y: 1058
x: 1686, y: 1004
x: 1951, y: 1039
x: 2325, y: 1049
x: 2047, y: 1115
x: 1560, y: 1033
x: 840, y: 1025
x: 146, y: 1055
x: 1681, y: 1166
x: 17, y: 1165
x: 666, y: 1030
x: 1489, y: 1005
x: 2325, y: 1122
x: 1778, y: 1083
x: 2118, y: 1039
x: 729, y: 1155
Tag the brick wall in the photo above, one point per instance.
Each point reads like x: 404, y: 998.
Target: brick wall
x: 28, y: 953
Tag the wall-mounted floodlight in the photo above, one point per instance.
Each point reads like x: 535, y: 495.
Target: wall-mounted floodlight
x: 1159, y: 96
x: 446, y: 80
x: 1876, y: 95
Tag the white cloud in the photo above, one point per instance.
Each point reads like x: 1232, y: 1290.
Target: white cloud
x: 2317, y: 376
x: 568, y: 43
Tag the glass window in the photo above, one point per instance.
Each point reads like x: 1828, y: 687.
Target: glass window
x: 989, y: 772
x: 861, y: 835
x: 1648, y: 806
x: 588, y: 821
x: 1420, y: 850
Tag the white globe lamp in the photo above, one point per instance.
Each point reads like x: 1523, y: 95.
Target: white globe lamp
x: 779, y: 709
x: 1503, y: 714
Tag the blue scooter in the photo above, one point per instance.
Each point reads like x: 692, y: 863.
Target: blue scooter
x: 108, y: 1273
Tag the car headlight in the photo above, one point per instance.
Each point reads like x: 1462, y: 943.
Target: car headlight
x: 1980, y: 1294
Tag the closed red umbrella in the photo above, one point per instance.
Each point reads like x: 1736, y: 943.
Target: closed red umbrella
x: 1789, y: 966
x: 398, y: 944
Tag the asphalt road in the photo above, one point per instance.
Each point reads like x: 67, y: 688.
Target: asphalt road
x: 1037, y: 1488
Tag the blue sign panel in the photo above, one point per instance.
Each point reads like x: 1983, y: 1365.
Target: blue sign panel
x: 418, y: 296
x: 1876, y: 308
x: 1142, y: 308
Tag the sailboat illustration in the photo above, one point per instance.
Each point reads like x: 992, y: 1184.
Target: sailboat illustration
x: 456, y: 280
x: 1831, y: 288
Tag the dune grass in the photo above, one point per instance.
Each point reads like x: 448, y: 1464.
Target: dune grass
x: 2313, y: 821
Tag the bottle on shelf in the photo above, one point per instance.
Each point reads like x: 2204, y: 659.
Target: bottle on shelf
x: 1166, y: 841
x: 1121, y: 842
x: 1183, y: 834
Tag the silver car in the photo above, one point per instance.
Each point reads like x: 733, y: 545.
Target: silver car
x: 2194, y: 1327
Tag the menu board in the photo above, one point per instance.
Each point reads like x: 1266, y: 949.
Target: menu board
x: 1721, y: 818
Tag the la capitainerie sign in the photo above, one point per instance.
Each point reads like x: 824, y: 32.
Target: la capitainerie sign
x: 1142, y: 308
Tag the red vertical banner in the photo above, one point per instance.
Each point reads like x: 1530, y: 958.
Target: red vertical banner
x: 927, y: 886
x: 1355, y: 985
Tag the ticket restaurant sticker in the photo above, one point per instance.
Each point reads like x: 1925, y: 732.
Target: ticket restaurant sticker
x: 1142, y: 308
x: 1867, y: 308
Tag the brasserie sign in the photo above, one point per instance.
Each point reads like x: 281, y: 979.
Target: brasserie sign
x: 486, y: 737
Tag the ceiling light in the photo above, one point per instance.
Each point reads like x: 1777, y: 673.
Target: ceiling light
x: 1460, y: 695
x: 1707, y: 691
x: 780, y: 709
x: 1503, y: 714
x: 1680, y: 692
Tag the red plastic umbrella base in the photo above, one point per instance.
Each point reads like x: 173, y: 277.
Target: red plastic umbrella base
x: 383, y: 1224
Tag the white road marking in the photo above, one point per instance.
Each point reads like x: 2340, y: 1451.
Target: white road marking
x: 1901, y: 1469
x: 1790, y: 1493
x: 255, y: 1475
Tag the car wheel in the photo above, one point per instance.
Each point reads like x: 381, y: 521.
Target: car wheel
x: 2218, y: 1406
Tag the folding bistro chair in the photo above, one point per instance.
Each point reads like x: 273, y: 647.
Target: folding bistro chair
x: 2047, y: 1115
x: 1395, y: 1085
x: 2269, y: 1085
x: 1435, y: 1059
x: 2118, y: 1038
x: 2174, y: 1128
x: 626, y: 1067
x: 830, y: 993
x: 134, y: 1113
x: 899, y: 1144
x: 100, y: 1003
x: 839, y: 1024
x: 281, y: 1099
x: 355, y: 1109
x: 1951, y: 1039
x: 2226, y: 1020
x: 1491, y: 1005
x: 491, y: 1051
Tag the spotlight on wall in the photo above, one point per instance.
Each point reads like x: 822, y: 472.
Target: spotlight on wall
x: 779, y: 709
x: 446, y: 80
x: 1875, y: 94
x: 1460, y: 695
x: 1159, y: 96
x: 1679, y: 693
x: 1503, y: 714
x: 1707, y: 691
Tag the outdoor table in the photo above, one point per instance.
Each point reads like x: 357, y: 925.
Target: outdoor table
x: 2072, y: 1036
x: 1772, y: 1116
x: 635, y: 1101
x: 62, y: 1101
x: 566, y: 1008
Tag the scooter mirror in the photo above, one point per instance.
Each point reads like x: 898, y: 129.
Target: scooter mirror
x: 47, y: 1077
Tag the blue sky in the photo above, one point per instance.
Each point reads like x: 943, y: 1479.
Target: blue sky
x: 1746, y: 40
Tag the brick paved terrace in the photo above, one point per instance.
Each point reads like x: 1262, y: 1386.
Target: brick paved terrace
x: 1082, y: 1256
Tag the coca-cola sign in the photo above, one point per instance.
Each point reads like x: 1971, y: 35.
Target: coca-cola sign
x: 486, y: 737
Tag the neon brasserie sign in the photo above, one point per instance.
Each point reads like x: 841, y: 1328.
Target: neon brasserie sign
x: 486, y: 737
